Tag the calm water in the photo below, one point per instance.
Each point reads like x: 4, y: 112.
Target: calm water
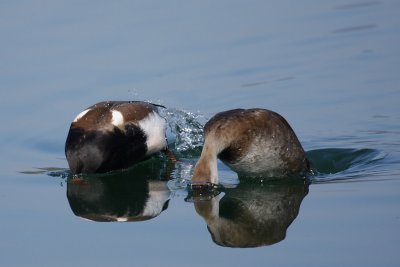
x: 331, y: 68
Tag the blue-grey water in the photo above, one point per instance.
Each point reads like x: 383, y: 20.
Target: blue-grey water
x: 331, y: 68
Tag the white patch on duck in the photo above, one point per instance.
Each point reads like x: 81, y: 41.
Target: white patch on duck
x: 117, y: 119
x: 80, y: 115
x: 154, y: 126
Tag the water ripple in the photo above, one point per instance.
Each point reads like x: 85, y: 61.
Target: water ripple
x: 339, y: 164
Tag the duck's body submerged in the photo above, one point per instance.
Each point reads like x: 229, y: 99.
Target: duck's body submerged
x: 252, y: 142
x: 114, y: 135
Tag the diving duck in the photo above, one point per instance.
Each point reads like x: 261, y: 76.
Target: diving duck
x: 114, y: 135
x: 252, y: 142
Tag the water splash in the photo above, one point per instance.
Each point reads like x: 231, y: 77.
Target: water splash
x: 187, y: 130
x: 182, y: 177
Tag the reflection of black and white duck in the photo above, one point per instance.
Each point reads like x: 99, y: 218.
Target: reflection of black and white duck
x: 251, y: 215
x: 114, y: 135
x: 252, y: 142
x: 117, y: 199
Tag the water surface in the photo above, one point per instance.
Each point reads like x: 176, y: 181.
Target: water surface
x: 330, y: 68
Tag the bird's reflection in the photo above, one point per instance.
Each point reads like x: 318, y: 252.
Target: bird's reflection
x: 135, y: 195
x: 252, y: 215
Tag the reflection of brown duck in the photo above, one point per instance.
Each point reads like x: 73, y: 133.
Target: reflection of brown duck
x: 128, y: 196
x: 252, y: 142
x: 114, y: 135
x: 252, y: 215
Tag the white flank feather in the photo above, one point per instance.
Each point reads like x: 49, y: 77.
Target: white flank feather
x: 117, y: 118
x: 154, y: 126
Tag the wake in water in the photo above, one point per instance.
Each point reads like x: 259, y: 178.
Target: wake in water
x: 343, y: 164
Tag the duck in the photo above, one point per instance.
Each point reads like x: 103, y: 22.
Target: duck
x: 113, y: 135
x: 255, y: 143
